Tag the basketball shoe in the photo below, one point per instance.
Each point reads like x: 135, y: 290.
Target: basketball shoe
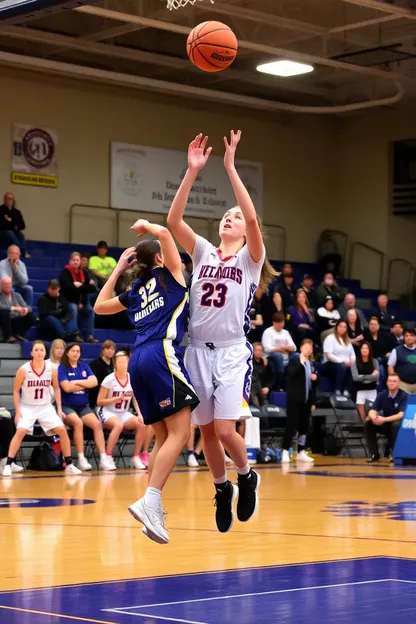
x: 225, y: 495
x: 248, y: 498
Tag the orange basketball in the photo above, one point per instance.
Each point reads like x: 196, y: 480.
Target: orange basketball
x: 212, y: 46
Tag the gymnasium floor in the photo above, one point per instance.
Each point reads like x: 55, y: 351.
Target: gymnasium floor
x: 335, y: 542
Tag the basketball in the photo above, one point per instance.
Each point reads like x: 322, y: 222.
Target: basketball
x: 212, y: 46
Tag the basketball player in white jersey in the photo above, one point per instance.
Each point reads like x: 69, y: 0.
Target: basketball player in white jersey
x: 219, y: 357
x: 114, y: 398
x: 32, y: 402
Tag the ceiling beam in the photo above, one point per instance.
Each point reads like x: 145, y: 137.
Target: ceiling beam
x: 376, y: 5
x: 111, y: 33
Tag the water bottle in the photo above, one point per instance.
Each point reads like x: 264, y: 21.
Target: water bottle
x: 291, y: 452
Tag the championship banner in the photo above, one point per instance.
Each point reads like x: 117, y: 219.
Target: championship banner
x: 147, y: 178
x: 405, y: 447
x: 34, y: 156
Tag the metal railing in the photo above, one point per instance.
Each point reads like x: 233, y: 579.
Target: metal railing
x: 357, y: 245
x: 108, y: 227
x: 405, y: 285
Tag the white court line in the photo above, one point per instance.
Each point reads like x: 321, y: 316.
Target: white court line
x: 267, y: 593
x: 155, y: 617
x: 403, y: 581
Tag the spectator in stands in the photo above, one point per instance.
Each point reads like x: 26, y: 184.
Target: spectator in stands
x: 287, y: 290
x: 326, y: 318
x: 76, y: 285
x: 381, y: 312
x: 354, y: 328
x: 102, y: 367
x: 301, y: 318
x: 16, y: 317
x: 307, y: 285
x: 300, y: 389
x: 338, y: 358
x: 402, y: 362
x: 187, y: 269
x: 256, y: 321
x: 329, y: 258
x: 56, y: 352
x: 56, y: 320
x: 381, y: 344
x: 328, y: 288
x: 365, y: 374
x: 262, y: 377
x: 276, y: 304
x: 101, y: 265
x: 76, y: 378
x: 397, y: 333
x: 385, y: 417
x: 278, y: 345
x: 349, y: 304
x: 15, y: 268
x: 12, y: 225
x: 85, y: 259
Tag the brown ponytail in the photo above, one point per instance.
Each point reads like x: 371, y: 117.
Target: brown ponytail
x: 146, y: 251
x: 267, y: 271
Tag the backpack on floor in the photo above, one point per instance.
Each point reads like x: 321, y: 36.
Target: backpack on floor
x: 44, y: 458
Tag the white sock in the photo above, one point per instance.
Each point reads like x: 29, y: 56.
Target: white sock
x: 221, y: 480
x: 81, y: 456
x: 153, y: 497
x: 244, y: 470
x: 103, y: 456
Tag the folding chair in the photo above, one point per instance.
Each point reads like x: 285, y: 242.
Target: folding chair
x: 348, y: 426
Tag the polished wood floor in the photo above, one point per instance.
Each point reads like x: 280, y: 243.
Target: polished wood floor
x: 339, y: 509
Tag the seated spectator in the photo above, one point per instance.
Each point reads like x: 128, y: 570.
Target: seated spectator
x: 338, y: 358
x: 262, y: 378
x: 114, y: 398
x: 76, y: 285
x: 286, y: 270
x: 16, y: 317
x: 76, y: 378
x: 287, y: 290
x: 326, y: 318
x: 278, y: 345
x: 85, y: 258
x: 56, y: 320
x: 301, y: 318
x: 385, y: 417
x: 276, y: 303
x: 365, y: 374
x: 56, y: 352
x: 349, y: 304
x: 15, y: 268
x: 102, y: 367
x: 402, y: 362
x: 381, y: 344
x: 188, y: 269
x: 256, y: 322
x: 307, y: 285
x: 397, y: 333
x: 101, y: 265
x: 328, y: 288
x: 354, y: 328
x: 329, y: 258
x: 300, y: 389
x: 381, y: 312
x: 12, y: 225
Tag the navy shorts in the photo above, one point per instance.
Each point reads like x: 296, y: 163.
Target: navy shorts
x: 160, y: 381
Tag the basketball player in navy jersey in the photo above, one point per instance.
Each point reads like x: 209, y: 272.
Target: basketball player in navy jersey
x: 157, y: 304
x: 219, y: 357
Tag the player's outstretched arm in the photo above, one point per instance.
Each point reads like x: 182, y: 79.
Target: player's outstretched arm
x: 106, y: 303
x: 254, y: 236
x: 171, y: 257
x: 198, y: 154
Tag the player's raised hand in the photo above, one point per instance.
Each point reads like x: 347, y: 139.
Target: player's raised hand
x: 230, y: 148
x: 127, y: 259
x: 198, y: 152
x: 141, y: 227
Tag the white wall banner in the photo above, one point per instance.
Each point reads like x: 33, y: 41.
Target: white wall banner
x: 34, y: 156
x: 147, y: 178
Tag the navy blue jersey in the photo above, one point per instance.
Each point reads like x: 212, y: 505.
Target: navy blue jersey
x: 157, y: 306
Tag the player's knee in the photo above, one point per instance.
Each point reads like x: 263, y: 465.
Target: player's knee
x: 61, y: 432
x: 21, y: 433
x: 225, y: 431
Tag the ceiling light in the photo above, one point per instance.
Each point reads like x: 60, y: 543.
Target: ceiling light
x: 285, y: 68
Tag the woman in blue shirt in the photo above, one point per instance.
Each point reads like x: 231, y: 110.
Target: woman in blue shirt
x: 76, y: 378
x: 301, y: 318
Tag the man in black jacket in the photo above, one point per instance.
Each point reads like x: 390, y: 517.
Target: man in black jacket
x: 300, y: 393
x: 12, y: 225
x: 56, y: 320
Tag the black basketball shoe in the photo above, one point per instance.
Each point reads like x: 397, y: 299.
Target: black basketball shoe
x: 248, y: 498
x: 225, y: 495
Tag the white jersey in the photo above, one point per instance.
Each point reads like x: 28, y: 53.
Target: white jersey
x: 36, y: 388
x: 222, y: 290
x: 116, y: 389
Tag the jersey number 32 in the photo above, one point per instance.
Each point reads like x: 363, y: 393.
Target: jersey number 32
x: 214, y: 295
x: 147, y: 292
